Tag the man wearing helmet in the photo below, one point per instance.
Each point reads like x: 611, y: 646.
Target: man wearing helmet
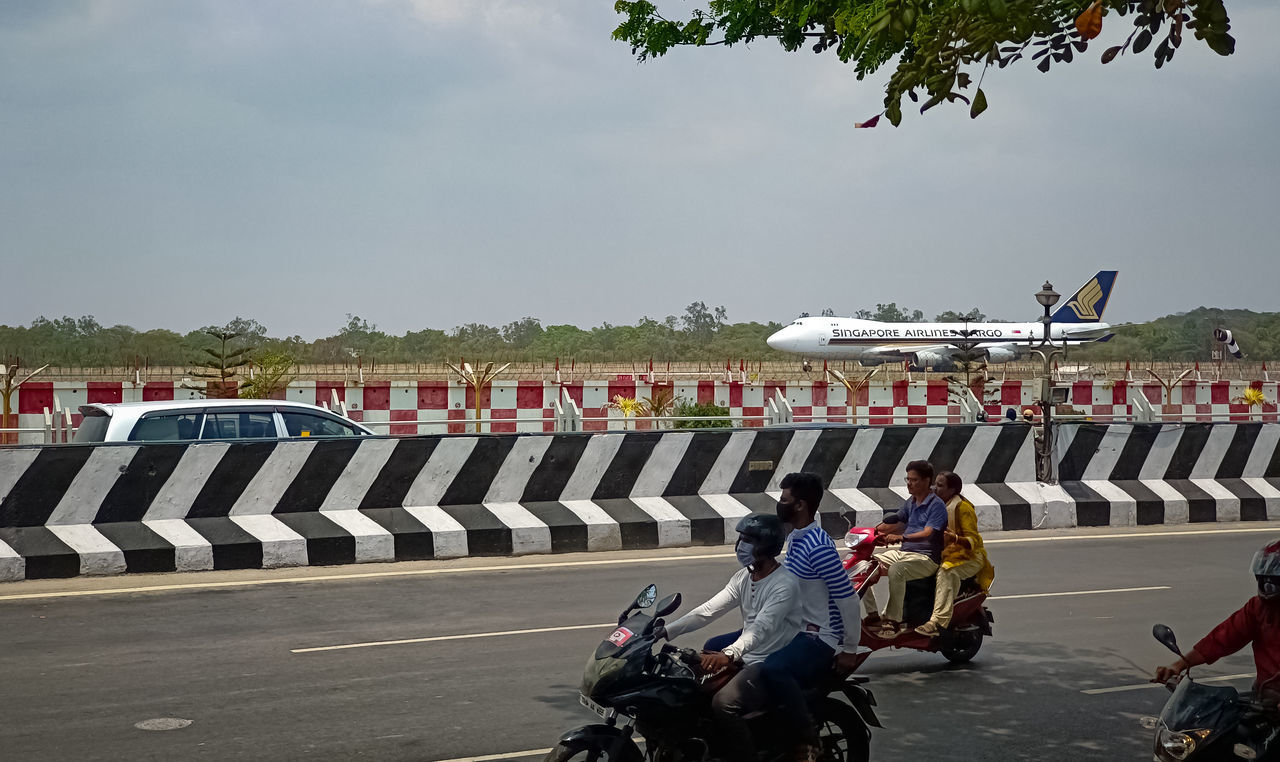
x: 768, y: 597
x: 1257, y: 622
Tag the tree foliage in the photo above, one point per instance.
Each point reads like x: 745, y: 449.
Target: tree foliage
x: 936, y: 48
x: 698, y: 336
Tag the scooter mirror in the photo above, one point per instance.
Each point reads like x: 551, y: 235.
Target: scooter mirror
x: 646, y: 597
x: 668, y: 604
x: 891, y: 518
x: 1164, y: 634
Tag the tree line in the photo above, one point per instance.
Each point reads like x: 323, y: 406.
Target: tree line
x: 702, y: 334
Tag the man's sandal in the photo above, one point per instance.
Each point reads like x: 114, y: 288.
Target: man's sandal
x: 929, y: 629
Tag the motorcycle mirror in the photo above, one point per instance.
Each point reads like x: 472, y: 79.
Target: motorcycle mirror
x: 668, y: 605
x: 891, y: 518
x: 646, y: 597
x: 1164, y: 634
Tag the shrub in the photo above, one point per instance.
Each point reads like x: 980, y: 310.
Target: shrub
x: 685, y: 408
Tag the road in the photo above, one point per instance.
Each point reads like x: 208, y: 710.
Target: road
x: 86, y: 660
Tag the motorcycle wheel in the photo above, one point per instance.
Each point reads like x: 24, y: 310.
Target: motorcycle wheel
x: 841, y: 732
x: 589, y: 751
x: 962, y: 647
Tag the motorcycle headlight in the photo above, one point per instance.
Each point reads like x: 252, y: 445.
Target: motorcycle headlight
x: 1179, y: 745
x: 853, y: 540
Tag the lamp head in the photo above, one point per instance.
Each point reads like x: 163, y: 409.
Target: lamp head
x: 1047, y: 296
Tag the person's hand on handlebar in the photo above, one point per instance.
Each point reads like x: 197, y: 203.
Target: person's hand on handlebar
x: 1165, y: 674
x: 714, y: 661
x: 892, y: 539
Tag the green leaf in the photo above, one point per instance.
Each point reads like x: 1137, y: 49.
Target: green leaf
x: 979, y: 104
x: 998, y: 8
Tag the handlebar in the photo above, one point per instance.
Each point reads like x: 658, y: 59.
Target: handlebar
x: 688, y: 656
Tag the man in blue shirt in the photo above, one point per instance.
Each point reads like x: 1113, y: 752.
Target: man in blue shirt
x: 922, y: 520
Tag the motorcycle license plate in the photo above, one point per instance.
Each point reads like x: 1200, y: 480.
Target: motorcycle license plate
x: 593, y: 706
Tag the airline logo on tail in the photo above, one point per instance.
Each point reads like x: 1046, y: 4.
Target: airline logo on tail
x: 1087, y: 300
x: 1088, y: 304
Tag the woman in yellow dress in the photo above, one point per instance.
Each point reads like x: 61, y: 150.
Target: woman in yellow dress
x: 963, y: 556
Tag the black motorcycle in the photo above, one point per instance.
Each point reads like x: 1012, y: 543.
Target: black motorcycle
x: 1203, y: 722
x: 662, y: 695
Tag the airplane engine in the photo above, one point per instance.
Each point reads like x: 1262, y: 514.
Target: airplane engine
x: 932, y: 361
x: 997, y: 355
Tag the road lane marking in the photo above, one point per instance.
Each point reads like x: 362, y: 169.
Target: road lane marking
x: 1079, y: 592
x: 494, y: 757
x: 1140, y: 686
x: 1122, y: 536
x: 540, y: 565
x: 536, y: 630
x: 358, y: 575
x: 438, y: 638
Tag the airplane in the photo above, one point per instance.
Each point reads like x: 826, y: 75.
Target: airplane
x: 934, y: 345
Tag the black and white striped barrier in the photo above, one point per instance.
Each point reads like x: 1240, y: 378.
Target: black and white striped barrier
x: 68, y: 510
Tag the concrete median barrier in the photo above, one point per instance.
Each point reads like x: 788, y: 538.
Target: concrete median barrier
x: 108, y: 509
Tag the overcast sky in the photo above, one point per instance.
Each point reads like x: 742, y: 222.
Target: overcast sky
x: 427, y: 163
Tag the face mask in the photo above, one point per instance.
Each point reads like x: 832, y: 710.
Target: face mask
x: 746, y: 552
x: 786, y: 513
x: 1269, y: 588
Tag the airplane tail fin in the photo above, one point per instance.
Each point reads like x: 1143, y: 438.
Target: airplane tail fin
x: 1087, y: 304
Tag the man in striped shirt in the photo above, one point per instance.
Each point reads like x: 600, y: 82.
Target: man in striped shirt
x: 829, y: 609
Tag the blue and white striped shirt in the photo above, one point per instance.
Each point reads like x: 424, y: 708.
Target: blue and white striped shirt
x: 827, y: 600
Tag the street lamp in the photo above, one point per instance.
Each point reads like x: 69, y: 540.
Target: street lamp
x: 1047, y: 297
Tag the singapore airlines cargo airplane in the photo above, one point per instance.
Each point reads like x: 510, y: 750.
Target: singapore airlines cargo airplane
x: 932, y: 345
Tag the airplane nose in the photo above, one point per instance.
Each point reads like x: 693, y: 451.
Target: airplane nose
x: 784, y: 340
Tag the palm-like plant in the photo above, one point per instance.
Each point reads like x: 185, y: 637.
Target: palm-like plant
x: 659, y: 404
x: 628, y: 406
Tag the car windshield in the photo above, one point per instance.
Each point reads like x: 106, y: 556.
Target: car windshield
x: 94, y: 426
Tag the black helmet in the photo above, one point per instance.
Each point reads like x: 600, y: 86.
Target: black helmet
x: 764, y: 530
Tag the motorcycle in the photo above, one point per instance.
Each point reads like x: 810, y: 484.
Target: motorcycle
x: 663, y: 695
x: 1202, y: 722
x: 959, y: 642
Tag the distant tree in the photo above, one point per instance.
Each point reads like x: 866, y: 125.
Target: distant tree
x: 523, y: 333
x: 702, y: 323
x: 892, y: 313
x: 974, y: 315
x: 271, y: 376
x: 221, y: 363
x: 828, y: 312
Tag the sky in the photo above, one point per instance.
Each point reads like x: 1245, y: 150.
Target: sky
x: 431, y: 163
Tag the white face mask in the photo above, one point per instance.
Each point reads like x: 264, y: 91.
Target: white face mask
x: 745, y: 552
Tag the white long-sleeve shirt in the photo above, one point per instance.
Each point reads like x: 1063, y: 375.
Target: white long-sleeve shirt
x: 770, y: 613
x: 829, y: 608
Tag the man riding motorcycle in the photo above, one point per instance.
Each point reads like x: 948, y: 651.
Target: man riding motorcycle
x: 1257, y: 622
x: 768, y: 597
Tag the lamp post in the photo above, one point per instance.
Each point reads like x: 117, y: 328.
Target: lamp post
x: 1047, y: 297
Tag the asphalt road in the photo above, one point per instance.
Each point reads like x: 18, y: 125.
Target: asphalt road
x: 84, y: 661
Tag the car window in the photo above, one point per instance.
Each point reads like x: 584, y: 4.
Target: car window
x: 223, y: 425
x: 166, y: 428
x: 308, y: 425
x: 93, y: 428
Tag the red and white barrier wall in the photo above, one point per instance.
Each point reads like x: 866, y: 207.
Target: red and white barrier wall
x: 424, y: 407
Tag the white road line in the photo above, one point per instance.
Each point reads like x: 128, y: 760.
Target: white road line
x: 438, y: 638
x: 545, y: 565
x: 503, y: 633
x: 1016, y: 540
x: 1140, y: 686
x: 1078, y: 592
x: 358, y: 575
x: 508, y: 755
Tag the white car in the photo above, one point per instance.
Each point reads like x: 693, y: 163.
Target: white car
x: 185, y: 420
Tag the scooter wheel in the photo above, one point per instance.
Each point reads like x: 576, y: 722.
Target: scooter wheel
x: 963, y: 647
x: 589, y: 750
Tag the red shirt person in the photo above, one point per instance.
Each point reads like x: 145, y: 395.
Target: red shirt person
x: 1257, y: 622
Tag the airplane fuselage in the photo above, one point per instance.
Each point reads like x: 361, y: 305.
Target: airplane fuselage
x: 855, y: 339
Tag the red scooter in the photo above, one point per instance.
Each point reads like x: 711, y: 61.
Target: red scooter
x: 970, y: 622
